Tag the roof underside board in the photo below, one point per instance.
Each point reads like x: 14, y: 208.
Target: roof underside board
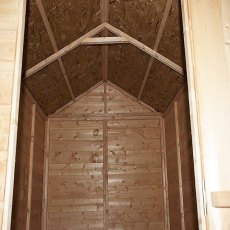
x: 70, y: 19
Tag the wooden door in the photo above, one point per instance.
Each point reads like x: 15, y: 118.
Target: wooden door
x: 135, y: 196
x: 119, y: 170
x: 105, y: 165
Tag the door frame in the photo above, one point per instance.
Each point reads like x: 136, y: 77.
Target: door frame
x: 208, y: 68
x: 188, y: 10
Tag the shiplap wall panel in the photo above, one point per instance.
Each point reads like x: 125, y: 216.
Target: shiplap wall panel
x: 20, y: 198
x: 75, y: 181
x: 172, y: 170
x: 135, y: 187
x: 22, y: 166
x: 37, y: 178
x: 187, y: 165
x: 91, y: 103
x: 117, y: 102
x: 180, y: 144
x: 105, y: 174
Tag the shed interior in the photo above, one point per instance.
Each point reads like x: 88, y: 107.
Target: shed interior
x: 104, y: 137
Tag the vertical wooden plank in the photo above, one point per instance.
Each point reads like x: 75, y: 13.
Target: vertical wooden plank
x: 165, y: 178
x: 179, y: 165
x: 156, y: 45
x: 54, y: 44
x: 45, y: 178
x: 31, y: 166
x: 105, y: 48
x: 105, y: 98
x: 105, y: 173
x: 12, y: 22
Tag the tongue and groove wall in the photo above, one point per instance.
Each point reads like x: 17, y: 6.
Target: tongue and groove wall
x: 105, y: 165
x: 29, y: 168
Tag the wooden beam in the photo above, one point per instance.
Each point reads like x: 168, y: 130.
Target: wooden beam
x: 159, y: 35
x: 105, y: 48
x: 54, y: 44
x: 165, y: 178
x: 221, y: 199
x: 64, y: 50
x: 105, y: 98
x: 104, y: 11
x: 29, y: 195
x: 105, y: 173
x: 146, y: 49
x: 104, y: 41
x: 45, y: 178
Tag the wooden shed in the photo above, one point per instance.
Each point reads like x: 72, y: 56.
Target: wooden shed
x: 114, y: 115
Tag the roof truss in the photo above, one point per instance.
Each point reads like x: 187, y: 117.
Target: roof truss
x: 89, y: 39
x: 95, y: 31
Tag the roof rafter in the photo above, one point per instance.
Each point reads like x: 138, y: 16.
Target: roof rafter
x: 105, y: 49
x: 146, y: 49
x: 64, y: 50
x: 159, y: 36
x: 54, y: 45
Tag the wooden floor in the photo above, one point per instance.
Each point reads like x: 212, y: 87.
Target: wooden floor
x: 105, y: 173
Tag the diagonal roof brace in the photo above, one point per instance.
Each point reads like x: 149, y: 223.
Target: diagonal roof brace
x: 94, y: 32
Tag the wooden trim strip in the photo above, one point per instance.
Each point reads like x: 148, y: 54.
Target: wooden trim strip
x: 64, y: 51
x: 105, y: 98
x: 146, y: 49
x: 179, y: 166
x: 45, y: 178
x: 29, y: 195
x: 105, y: 41
x: 105, y: 173
x: 159, y: 35
x: 54, y: 44
x: 165, y: 178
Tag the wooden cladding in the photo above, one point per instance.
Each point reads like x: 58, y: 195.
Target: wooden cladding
x: 107, y: 173
x: 181, y: 182
x: 135, y: 184
x: 28, y: 186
